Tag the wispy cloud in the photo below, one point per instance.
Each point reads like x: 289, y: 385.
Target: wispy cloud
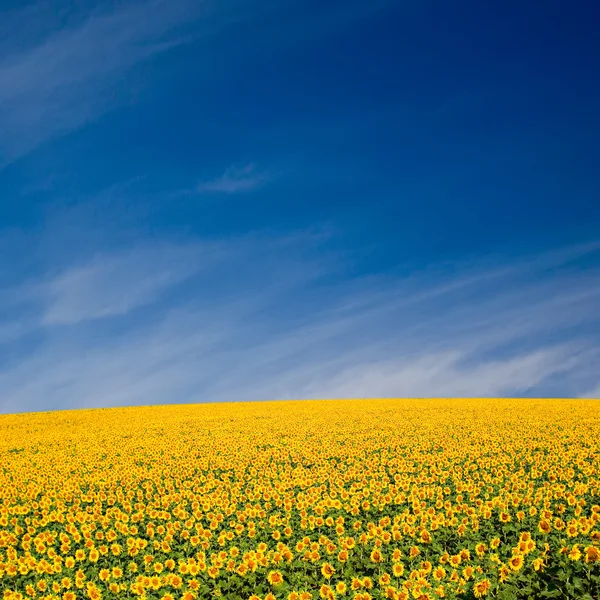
x: 68, y: 78
x: 111, y: 285
x: 258, y: 328
x: 235, y: 180
x: 62, y: 65
x: 593, y: 393
x: 447, y: 375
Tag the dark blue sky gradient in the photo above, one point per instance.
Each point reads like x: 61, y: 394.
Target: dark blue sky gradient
x: 438, y: 129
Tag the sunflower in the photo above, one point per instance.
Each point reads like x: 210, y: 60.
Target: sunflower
x: 544, y: 526
x: 481, y: 588
x: 327, y: 570
x: 389, y: 592
x: 376, y: 556
x: 95, y: 594
x: 426, y: 566
x: 575, y: 553
x: 341, y: 587
x: 275, y: 578
x: 571, y: 530
x: 538, y: 564
x: 516, y: 562
x: 503, y: 573
x: 455, y: 560
x: 592, y: 554
x: 525, y: 536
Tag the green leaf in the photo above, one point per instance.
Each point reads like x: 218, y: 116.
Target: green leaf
x: 550, y: 593
x: 570, y: 589
x: 577, y: 583
x: 507, y: 593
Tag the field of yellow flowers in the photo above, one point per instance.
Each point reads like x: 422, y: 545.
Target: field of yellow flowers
x: 398, y: 499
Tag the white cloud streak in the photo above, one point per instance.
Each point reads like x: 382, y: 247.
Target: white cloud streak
x: 258, y: 328
x: 112, y: 285
x: 63, y: 65
x: 235, y: 180
x: 68, y: 78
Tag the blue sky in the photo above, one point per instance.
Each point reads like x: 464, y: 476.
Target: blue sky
x: 234, y: 200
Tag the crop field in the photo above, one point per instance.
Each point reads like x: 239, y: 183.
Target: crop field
x: 358, y: 499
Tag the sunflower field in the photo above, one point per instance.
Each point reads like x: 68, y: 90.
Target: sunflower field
x: 354, y: 499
